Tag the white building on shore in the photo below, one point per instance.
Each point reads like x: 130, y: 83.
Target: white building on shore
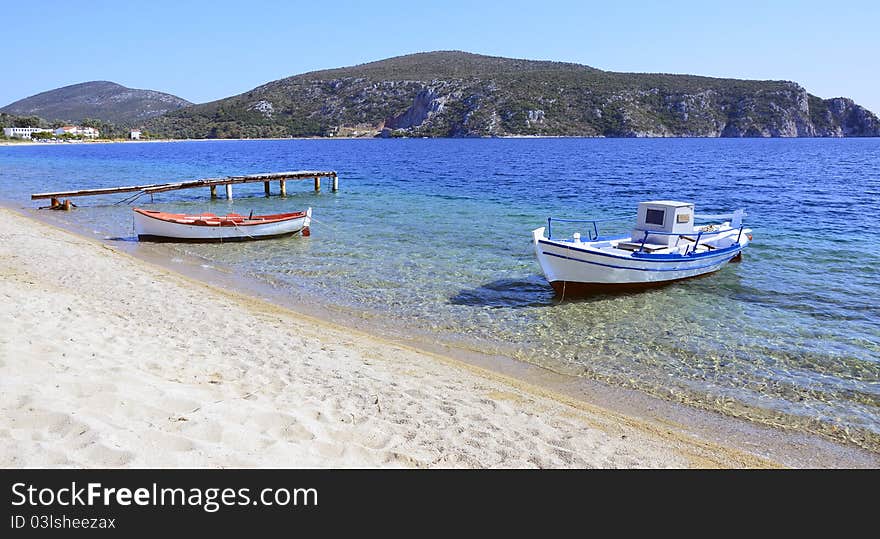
x: 135, y: 134
x: 22, y: 132
x: 66, y: 130
x: 89, y: 132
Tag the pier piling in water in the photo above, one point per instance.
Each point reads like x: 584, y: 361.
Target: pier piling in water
x: 317, y: 183
x: 228, y: 191
x: 213, y: 191
x: 283, y: 185
x: 266, y: 188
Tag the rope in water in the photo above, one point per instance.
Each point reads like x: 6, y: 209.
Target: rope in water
x: 240, y: 230
x: 322, y: 223
x: 131, y: 198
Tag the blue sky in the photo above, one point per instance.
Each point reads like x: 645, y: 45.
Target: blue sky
x: 203, y: 51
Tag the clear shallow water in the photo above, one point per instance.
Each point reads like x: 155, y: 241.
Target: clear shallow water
x: 432, y: 237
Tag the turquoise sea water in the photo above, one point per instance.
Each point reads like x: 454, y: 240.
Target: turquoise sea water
x: 431, y: 237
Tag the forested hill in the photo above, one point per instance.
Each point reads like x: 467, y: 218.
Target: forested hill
x: 458, y: 94
x: 449, y: 93
x: 97, y: 100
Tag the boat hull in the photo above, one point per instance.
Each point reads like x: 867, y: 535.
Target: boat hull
x: 168, y: 239
x: 572, y: 269
x: 575, y: 288
x: 149, y: 227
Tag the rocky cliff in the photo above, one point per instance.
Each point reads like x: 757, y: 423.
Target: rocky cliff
x: 458, y: 94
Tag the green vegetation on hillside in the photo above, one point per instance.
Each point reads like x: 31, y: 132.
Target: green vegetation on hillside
x: 11, y: 120
x: 452, y: 93
x: 458, y: 94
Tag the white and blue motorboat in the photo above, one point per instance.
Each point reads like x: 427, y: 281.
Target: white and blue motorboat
x: 664, y: 246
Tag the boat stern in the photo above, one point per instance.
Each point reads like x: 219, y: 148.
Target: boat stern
x: 306, y: 229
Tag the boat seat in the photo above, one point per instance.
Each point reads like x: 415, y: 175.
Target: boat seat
x: 636, y: 245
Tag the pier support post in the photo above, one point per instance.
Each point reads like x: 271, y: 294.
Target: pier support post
x: 266, y: 188
x: 213, y: 191
x: 335, y: 183
x: 317, y: 183
x: 283, y: 184
x: 229, y: 191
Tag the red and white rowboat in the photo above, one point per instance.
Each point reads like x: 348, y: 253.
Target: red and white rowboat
x: 206, y: 227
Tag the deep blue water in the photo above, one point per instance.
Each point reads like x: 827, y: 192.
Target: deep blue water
x: 432, y: 237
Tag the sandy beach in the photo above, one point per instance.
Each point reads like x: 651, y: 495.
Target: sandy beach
x: 109, y: 361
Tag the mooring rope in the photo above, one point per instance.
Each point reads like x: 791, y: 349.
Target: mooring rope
x: 131, y: 198
x: 240, y: 230
x: 322, y: 223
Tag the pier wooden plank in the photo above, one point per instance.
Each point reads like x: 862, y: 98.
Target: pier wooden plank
x: 207, y: 182
x: 93, y: 192
x: 212, y: 183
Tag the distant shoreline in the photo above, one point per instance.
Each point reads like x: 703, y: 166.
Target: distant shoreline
x: 125, y: 141
x: 505, y: 137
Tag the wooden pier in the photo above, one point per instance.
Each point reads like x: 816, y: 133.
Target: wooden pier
x: 211, y: 183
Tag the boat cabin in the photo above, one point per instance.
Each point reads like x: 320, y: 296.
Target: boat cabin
x: 668, y: 216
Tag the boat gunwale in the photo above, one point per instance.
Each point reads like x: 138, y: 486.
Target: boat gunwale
x: 225, y: 221
x: 649, y: 257
x: 720, y: 262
